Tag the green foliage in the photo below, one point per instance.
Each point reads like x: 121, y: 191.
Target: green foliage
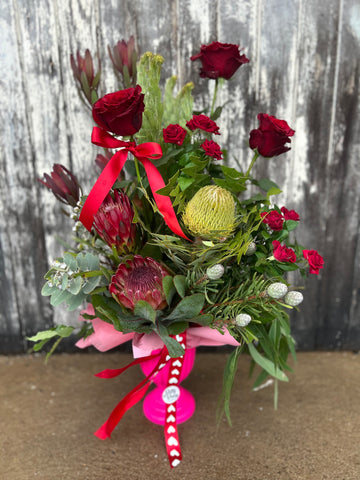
x: 43, y: 337
x: 177, y: 109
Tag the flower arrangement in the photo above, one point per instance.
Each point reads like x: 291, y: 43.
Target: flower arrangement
x: 170, y: 250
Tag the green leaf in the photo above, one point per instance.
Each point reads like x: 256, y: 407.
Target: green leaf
x: 177, y: 327
x: 169, y: 289
x: 48, y: 290
x: 58, y: 297
x: 267, y: 364
x: 173, y: 346
x: 204, y: 319
x: 291, y: 225
x: 75, y: 285
x: 70, y: 261
x: 180, y: 285
x: 59, y: 330
x: 188, y: 307
x: 228, y: 381
x: 266, y: 184
x: 145, y: 310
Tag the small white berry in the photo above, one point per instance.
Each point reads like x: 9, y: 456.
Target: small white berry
x: 277, y: 290
x: 215, y: 272
x: 242, y: 319
x: 293, y: 298
x: 251, y: 249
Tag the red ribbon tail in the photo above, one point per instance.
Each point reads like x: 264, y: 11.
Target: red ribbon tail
x: 114, y: 372
x: 163, y: 202
x: 101, y: 188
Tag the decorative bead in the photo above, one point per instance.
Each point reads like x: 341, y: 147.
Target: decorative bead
x: 242, y: 319
x: 215, y: 272
x: 251, y: 249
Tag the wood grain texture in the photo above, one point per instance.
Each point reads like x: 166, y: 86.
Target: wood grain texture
x: 304, y: 68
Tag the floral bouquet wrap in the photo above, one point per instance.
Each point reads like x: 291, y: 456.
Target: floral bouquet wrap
x: 174, y: 248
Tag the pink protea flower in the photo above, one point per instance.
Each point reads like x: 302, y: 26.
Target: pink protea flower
x: 85, y: 76
x: 139, y: 279
x: 113, y: 222
x: 124, y: 57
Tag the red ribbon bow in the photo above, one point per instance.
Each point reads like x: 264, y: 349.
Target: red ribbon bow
x: 108, y: 176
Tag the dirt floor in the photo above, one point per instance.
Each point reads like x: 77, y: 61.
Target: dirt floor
x: 48, y: 415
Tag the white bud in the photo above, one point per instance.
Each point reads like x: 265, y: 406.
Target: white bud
x: 293, y: 298
x: 251, y: 249
x: 242, y: 319
x: 277, y: 290
x: 215, y: 272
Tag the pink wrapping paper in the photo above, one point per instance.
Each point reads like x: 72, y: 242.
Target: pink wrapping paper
x: 105, y: 337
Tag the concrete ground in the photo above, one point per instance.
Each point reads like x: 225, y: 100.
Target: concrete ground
x: 48, y: 414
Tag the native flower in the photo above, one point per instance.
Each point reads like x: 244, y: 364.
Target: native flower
x: 113, y: 222
x: 314, y: 259
x: 124, y: 57
x: 219, y: 60
x: 63, y: 184
x: 210, y: 213
x: 120, y: 112
x: 271, y: 136
x: 139, y: 278
x: 83, y: 70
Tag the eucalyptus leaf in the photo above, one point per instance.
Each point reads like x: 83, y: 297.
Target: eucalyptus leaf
x: 173, y: 346
x: 180, y: 285
x: 169, y: 289
x: 144, y: 310
x: 188, y: 307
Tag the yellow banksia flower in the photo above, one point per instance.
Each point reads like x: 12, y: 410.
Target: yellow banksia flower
x: 210, y: 214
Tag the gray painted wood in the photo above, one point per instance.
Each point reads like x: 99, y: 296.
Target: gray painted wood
x: 304, y: 68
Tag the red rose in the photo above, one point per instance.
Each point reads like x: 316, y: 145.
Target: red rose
x: 271, y: 136
x: 219, y: 60
x: 314, y: 259
x: 290, y: 214
x: 283, y: 253
x: 174, y: 134
x: 274, y: 219
x: 212, y: 149
x: 120, y: 112
x: 203, y: 122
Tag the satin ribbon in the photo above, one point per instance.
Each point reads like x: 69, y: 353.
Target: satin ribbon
x: 108, y: 176
x: 136, y: 394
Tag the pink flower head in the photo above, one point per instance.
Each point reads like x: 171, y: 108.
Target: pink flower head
x: 219, y: 60
x: 174, y: 134
x: 282, y: 253
x: 113, y: 222
x: 274, y: 219
x: 63, y: 184
x: 314, y: 259
x: 271, y: 136
x: 290, y: 214
x: 202, y: 122
x: 139, y: 279
x: 83, y: 71
x: 212, y: 149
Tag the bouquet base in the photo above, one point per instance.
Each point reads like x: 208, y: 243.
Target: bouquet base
x: 154, y: 407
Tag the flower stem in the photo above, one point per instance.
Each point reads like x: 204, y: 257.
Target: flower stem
x: 214, y: 98
x: 255, y: 157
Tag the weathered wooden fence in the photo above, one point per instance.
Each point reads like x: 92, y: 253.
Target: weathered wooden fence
x: 304, y: 68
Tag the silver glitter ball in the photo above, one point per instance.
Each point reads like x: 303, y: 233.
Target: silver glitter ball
x: 215, y: 272
x: 242, y: 319
x: 251, y: 249
x: 277, y: 290
x: 293, y: 298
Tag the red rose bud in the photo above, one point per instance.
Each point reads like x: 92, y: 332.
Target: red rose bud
x: 274, y: 219
x: 314, y: 259
x: 219, y: 60
x: 271, y: 136
x: 83, y: 70
x: 113, y: 222
x: 139, y: 279
x: 283, y: 253
x: 290, y: 214
x: 174, y: 134
x: 124, y: 57
x: 120, y: 112
x: 63, y: 184
x: 202, y: 122
x: 212, y: 149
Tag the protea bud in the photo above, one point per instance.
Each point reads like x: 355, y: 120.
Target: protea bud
x: 293, y: 298
x: 139, y: 279
x: 215, y: 272
x: 83, y: 70
x: 210, y: 213
x: 63, y: 184
x: 242, y: 319
x: 277, y: 290
x: 124, y: 57
x: 113, y: 222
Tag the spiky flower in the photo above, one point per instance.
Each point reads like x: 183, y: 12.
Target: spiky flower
x: 137, y: 279
x: 113, y: 222
x: 210, y: 213
x: 63, y: 184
